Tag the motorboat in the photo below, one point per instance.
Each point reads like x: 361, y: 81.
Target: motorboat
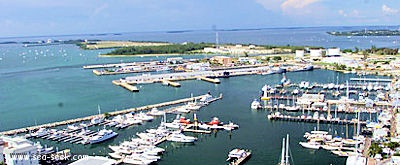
x: 311, y: 145
x: 255, y: 104
x: 39, y: 133
x: 237, y: 154
x: 142, y: 116
x: 179, y: 137
x: 155, y: 112
x: 103, y: 135
x: 214, y: 121
x: 192, y: 106
x: 116, y: 155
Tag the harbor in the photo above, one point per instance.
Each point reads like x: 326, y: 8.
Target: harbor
x: 58, y: 94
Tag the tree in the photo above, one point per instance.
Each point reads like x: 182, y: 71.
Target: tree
x: 356, y: 49
x: 374, y: 149
x: 277, y: 58
x: 106, y: 115
x: 393, y: 145
x: 365, y: 55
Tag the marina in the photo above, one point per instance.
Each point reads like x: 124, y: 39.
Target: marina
x: 56, y: 88
x: 78, y: 120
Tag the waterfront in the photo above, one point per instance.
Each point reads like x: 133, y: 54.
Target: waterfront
x: 52, y: 86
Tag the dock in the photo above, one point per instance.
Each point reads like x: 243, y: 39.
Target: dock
x: 79, y: 120
x: 126, y: 86
x: 312, y: 120
x: 215, y: 80
x: 371, y: 79
x: 171, y: 83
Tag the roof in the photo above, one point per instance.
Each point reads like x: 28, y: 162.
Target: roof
x: 94, y: 160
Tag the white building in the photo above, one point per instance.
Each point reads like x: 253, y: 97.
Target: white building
x: 342, y: 61
x: 299, y: 53
x: 333, y: 52
x: 315, y: 53
x: 19, y: 151
x: 198, y: 66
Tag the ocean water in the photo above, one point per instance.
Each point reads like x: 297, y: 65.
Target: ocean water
x: 47, y: 84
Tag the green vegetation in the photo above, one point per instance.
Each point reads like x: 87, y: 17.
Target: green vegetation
x: 392, y: 145
x: 277, y: 58
x: 373, y: 50
x: 106, y: 115
x: 292, y: 48
x: 339, y: 67
x: 382, y: 51
x: 163, y: 49
x: 374, y: 149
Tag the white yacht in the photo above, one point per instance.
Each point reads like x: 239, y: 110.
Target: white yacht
x: 192, y: 106
x: 144, y: 117
x: 311, y: 145
x: 103, y: 135
x: 136, y: 160
x: 40, y: 132
x: 255, y: 104
x: 179, y: 137
x: 356, y: 160
x: 206, y: 99
x: 238, y: 154
x: 155, y: 112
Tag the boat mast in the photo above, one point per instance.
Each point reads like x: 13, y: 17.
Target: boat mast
x: 287, y: 149
x: 98, y: 108
x: 347, y: 89
x: 283, y: 152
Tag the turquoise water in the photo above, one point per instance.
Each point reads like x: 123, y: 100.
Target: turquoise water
x: 46, y: 84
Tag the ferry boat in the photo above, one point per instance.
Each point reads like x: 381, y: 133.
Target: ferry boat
x: 238, y: 156
x: 255, y: 104
x: 103, y: 135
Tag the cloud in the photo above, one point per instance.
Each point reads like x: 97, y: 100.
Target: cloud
x: 100, y: 9
x: 290, y: 7
x: 272, y: 5
x: 296, y: 4
x: 353, y: 13
x: 389, y: 11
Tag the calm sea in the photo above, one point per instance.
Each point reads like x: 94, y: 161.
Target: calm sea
x: 47, y: 83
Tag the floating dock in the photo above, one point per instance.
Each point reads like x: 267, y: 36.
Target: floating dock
x: 79, y: 120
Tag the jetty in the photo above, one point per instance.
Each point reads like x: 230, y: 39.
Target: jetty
x: 125, y: 111
x: 126, y: 86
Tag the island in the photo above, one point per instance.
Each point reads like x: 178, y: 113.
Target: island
x: 382, y: 32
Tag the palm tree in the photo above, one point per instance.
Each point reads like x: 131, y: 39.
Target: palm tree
x: 374, y: 149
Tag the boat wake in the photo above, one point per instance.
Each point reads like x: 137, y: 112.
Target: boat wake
x: 48, y: 69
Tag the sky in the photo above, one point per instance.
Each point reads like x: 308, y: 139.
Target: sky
x: 62, y: 17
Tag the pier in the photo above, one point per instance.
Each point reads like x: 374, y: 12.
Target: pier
x: 371, y: 79
x: 78, y: 120
x: 312, y: 120
x: 126, y: 86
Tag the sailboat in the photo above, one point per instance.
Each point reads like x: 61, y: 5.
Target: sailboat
x: 285, y: 151
x: 97, y: 119
x: 357, y: 159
